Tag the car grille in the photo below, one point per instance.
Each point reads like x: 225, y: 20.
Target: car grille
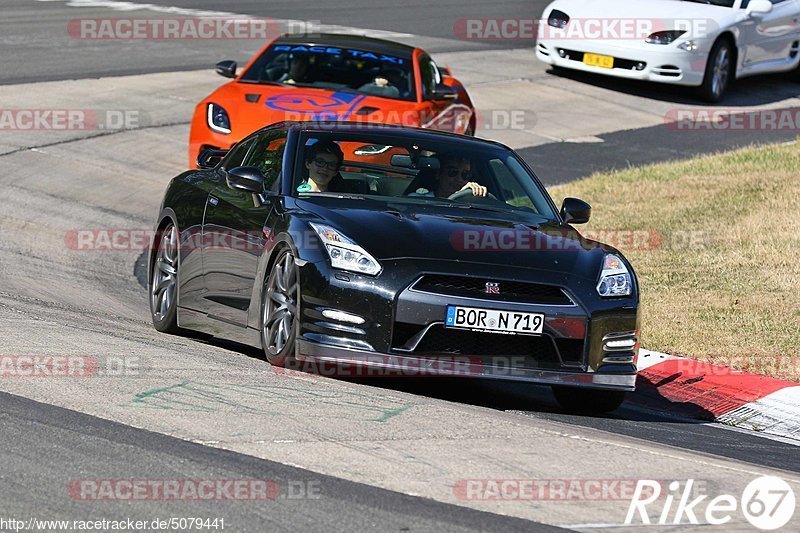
x: 541, y: 351
x: 509, y: 291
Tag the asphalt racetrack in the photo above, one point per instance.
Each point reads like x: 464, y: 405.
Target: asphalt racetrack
x: 355, y: 454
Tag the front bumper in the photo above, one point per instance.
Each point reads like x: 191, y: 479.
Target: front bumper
x: 400, y: 327
x: 657, y: 63
x: 394, y: 365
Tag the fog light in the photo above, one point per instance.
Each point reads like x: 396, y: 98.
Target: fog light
x: 562, y: 52
x: 622, y: 344
x: 640, y: 66
x: 341, y: 316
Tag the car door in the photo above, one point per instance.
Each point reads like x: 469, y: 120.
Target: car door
x: 768, y: 38
x: 233, y: 232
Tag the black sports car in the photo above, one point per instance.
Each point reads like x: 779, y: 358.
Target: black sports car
x: 398, y: 249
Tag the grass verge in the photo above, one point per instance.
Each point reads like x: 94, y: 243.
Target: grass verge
x: 715, y: 242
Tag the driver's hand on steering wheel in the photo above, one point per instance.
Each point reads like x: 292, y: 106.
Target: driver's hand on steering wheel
x: 477, y: 190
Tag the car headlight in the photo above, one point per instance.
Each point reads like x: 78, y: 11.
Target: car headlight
x: 689, y: 46
x: 558, y: 19
x: 344, y: 253
x: 218, y: 119
x: 615, y: 279
x: 664, y: 37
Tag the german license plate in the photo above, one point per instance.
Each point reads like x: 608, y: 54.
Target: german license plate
x: 494, y: 321
x: 596, y: 60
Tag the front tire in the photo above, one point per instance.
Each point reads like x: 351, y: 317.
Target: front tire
x: 163, y: 287
x: 588, y: 401
x: 279, y: 310
x: 720, y: 70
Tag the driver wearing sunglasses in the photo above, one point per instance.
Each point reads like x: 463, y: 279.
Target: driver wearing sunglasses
x: 455, y: 175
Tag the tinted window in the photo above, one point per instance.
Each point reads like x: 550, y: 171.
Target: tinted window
x: 236, y: 156
x: 429, y: 75
x: 267, y: 156
x: 402, y: 169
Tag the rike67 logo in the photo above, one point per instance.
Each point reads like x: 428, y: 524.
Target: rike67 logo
x: 768, y: 503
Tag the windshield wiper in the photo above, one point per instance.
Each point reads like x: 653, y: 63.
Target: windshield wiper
x: 350, y: 195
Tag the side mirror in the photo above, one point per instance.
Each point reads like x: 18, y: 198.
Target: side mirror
x: 226, y: 69
x: 444, y: 92
x: 575, y: 211
x: 247, y: 179
x: 210, y: 157
x: 759, y: 7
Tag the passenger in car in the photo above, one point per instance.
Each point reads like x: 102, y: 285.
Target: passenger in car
x: 323, y: 161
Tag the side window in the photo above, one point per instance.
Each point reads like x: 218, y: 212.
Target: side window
x: 236, y: 155
x: 267, y: 156
x: 429, y: 75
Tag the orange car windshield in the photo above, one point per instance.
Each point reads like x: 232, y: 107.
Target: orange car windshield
x: 338, y: 69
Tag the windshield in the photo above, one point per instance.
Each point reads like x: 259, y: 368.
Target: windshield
x: 720, y: 3
x: 340, y: 69
x: 395, y: 169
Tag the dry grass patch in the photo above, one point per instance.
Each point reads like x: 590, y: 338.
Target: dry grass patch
x: 723, y: 285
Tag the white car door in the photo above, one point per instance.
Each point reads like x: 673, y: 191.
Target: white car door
x: 768, y: 38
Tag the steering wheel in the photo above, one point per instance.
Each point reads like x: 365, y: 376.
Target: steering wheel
x: 458, y: 195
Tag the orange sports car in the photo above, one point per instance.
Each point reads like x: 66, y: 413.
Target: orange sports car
x: 330, y: 78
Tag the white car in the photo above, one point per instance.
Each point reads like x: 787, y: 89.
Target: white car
x: 701, y: 43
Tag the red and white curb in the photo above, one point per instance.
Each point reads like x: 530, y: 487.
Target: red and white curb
x: 685, y: 387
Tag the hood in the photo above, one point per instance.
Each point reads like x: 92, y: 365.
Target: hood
x: 399, y: 230
x: 251, y: 106
x: 700, y: 20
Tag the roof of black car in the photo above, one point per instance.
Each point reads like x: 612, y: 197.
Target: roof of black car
x: 347, y: 41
